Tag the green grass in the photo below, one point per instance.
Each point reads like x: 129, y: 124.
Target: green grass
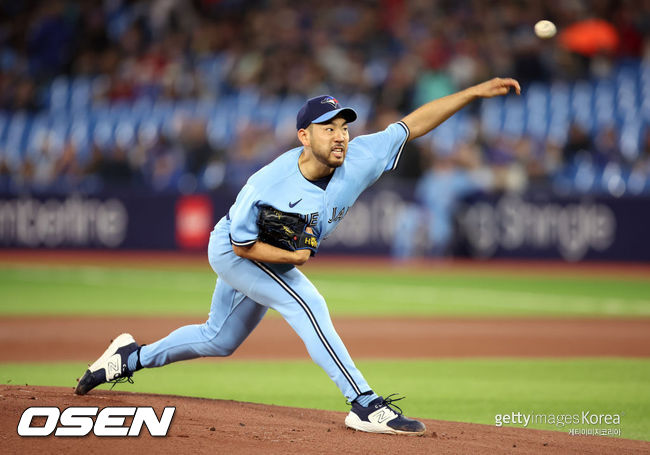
x: 468, y: 390
x: 97, y: 290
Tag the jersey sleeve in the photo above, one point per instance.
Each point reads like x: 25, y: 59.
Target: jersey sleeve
x: 383, y: 150
x: 385, y: 147
x: 243, y: 217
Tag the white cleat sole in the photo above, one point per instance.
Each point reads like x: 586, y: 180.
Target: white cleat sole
x: 354, y: 422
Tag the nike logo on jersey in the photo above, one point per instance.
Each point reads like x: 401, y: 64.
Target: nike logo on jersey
x: 292, y: 205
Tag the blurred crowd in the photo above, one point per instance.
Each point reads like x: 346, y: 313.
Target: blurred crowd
x: 394, y: 54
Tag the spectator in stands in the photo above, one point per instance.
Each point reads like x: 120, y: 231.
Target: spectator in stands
x: 164, y: 165
x: 111, y: 167
x: 606, y: 146
x: 427, y: 226
x: 45, y: 159
x: 578, y: 144
x: 254, y: 148
x: 639, y: 179
x: 533, y: 161
x: 67, y: 168
x: 5, y: 175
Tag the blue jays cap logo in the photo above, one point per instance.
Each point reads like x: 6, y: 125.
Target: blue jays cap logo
x: 330, y: 100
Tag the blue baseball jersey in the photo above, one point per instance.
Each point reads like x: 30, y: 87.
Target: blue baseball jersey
x: 280, y: 184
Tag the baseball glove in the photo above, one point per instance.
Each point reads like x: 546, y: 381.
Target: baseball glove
x: 285, y: 230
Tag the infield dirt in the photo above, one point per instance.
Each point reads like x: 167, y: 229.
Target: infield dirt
x: 36, y: 339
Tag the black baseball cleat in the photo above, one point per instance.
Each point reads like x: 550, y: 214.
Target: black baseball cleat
x: 111, y: 366
x: 382, y: 416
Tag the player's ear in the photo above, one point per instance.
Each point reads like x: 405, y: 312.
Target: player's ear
x: 303, y: 137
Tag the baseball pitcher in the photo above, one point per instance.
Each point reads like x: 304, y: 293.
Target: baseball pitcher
x: 276, y: 224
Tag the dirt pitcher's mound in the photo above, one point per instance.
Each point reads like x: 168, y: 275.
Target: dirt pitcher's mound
x: 229, y: 427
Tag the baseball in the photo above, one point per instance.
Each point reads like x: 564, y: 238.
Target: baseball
x: 545, y: 29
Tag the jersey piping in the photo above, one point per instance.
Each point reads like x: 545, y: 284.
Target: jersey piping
x: 314, y: 323
x: 401, y: 148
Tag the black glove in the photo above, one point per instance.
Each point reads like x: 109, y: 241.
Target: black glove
x: 285, y: 230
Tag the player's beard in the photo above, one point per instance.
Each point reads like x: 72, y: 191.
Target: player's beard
x: 332, y: 156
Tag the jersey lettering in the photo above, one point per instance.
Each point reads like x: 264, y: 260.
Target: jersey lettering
x: 337, y: 215
x: 312, y: 219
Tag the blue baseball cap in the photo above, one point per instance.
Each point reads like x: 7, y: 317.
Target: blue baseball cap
x: 320, y: 109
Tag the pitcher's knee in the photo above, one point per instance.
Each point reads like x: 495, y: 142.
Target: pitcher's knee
x: 318, y: 306
x: 217, y: 344
x: 226, y: 350
x: 211, y: 349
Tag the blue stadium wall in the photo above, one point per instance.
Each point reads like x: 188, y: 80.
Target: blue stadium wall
x: 505, y: 226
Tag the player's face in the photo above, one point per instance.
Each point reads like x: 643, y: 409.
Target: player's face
x: 329, y: 141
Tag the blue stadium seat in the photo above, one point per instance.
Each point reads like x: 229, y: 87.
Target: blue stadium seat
x: 604, y: 104
x: 5, y: 119
x: 630, y: 138
x: 81, y: 94
x: 16, y: 138
x: 582, y: 105
x: 637, y: 183
x: 59, y: 94
x: 585, y: 176
x: 103, y: 130
x: 612, y: 180
x: 37, y: 135
x: 267, y: 110
x: 514, y: 117
x: 491, y: 116
x: 80, y: 135
x: 444, y: 137
x: 537, y: 111
x: 125, y: 134
x: 217, y: 130
x: 142, y: 108
x: 148, y: 130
